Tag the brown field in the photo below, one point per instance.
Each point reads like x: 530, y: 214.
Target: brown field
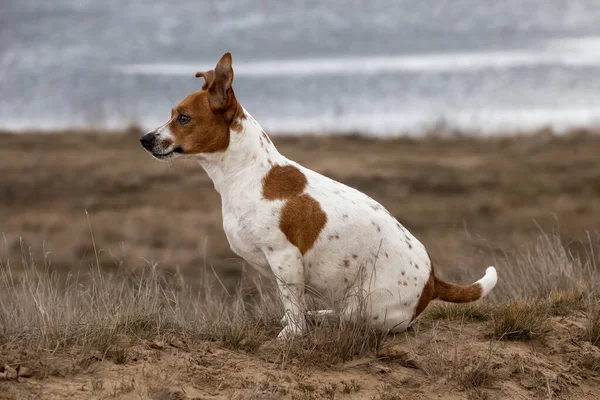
x: 116, y: 280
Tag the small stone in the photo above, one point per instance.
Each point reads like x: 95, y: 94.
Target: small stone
x: 24, y: 372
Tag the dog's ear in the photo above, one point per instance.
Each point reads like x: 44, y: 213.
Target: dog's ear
x: 220, y: 92
x: 208, y: 77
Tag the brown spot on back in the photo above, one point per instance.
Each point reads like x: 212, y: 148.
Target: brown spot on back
x: 283, y: 182
x: 354, y: 256
x: 302, y: 220
x: 346, y: 263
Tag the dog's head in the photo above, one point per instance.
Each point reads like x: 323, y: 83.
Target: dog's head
x: 200, y: 123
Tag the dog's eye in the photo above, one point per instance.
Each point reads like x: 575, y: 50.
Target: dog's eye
x: 183, y: 119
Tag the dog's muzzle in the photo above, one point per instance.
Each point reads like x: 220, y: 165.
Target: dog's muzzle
x: 148, y: 141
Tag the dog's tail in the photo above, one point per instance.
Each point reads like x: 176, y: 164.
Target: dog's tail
x: 463, y: 294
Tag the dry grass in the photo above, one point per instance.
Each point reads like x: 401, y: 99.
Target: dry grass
x: 99, y: 315
x: 40, y: 309
x: 521, y: 320
x: 593, y: 322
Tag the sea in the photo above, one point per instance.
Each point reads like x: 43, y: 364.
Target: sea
x: 383, y: 68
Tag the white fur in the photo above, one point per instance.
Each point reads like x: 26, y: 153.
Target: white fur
x: 488, y: 281
x: 386, y: 267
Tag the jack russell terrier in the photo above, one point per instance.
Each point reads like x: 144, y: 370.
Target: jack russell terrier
x: 313, y: 232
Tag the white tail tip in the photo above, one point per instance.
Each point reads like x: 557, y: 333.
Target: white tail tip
x: 488, y: 281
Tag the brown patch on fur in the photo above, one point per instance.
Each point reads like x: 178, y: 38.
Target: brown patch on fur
x: 302, y: 220
x: 354, y: 256
x: 436, y: 288
x: 283, y: 182
x: 457, y: 293
x: 208, y: 77
x: 427, y: 294
x: 346, y: 263
x: 206, y: 132
x: 214, y: 111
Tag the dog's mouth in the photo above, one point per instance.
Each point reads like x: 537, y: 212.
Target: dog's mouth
x: 169, y: 154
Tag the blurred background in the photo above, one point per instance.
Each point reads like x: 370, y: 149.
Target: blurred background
x: 380, y: 67
x: 472, y: 121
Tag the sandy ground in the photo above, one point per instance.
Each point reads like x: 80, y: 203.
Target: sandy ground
x: 442, y: 360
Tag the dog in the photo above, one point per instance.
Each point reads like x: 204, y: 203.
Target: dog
x: 311, y: 231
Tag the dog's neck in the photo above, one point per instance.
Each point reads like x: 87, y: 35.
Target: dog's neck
x: 249, y: 156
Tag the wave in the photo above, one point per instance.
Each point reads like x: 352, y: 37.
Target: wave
x: 576, y: 52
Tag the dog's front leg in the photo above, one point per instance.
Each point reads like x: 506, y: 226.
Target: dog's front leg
x: 289, y: 271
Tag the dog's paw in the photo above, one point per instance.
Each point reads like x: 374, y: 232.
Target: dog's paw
x: 290, y: 331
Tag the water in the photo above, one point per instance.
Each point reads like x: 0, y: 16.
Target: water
x: 379, y: 67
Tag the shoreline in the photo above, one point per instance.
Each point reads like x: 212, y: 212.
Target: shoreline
x: 436, y: 132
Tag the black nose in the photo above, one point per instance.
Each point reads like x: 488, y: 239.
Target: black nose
x: 147, y: 140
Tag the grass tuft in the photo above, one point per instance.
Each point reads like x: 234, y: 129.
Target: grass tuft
x: 521, y: 319
x: 592, y: 328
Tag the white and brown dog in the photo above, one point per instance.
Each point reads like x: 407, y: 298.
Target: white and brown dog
x: 313, y: 232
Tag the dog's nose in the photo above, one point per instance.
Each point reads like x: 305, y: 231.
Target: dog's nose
x: 147, y: 140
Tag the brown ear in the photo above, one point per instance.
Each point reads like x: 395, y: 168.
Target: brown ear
x: 220, y: 88
x: 208, y: 78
